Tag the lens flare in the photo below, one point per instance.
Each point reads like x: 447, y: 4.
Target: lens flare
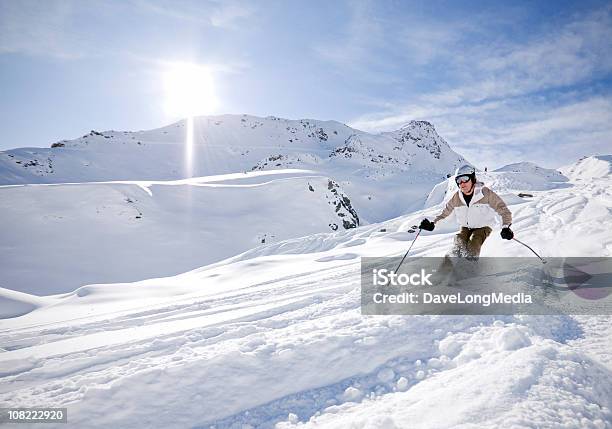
x: 189, y: 147
x: 189, y: 90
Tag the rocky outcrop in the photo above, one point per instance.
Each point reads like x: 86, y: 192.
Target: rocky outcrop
x: 342, y: 206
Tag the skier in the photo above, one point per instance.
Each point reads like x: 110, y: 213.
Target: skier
x: 475, y: 206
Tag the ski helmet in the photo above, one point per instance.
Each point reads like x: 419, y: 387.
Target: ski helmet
x: 467, y: 171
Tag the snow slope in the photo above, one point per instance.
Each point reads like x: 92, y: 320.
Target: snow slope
x: 69, y: 235
x: 274, y: 337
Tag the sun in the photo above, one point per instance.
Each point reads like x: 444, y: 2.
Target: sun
x: 189, y: 90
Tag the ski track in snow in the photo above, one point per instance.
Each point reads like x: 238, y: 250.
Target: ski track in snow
x: 292, y: 346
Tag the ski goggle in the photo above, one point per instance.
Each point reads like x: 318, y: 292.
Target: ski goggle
x: 462, y: 179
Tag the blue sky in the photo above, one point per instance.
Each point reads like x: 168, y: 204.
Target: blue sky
x: 501, y: 81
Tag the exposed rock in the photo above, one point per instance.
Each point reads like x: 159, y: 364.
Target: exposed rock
x: 342, y: 206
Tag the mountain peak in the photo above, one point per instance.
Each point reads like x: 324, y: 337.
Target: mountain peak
x: 589, y: 168
x: 418, y: 124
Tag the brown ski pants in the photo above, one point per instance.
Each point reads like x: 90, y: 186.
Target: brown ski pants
x: 469, y: 241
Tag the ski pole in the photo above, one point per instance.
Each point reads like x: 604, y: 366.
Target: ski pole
x: 402, y: 261
x: 534, y: 252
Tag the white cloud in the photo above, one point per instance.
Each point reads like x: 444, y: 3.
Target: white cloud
x: 513, y: 103
x: 229, y: 14
x: 526, y: 130
x: 38, y: 28
x: 516, y: 129
x: 59, y: 28
x: 153, y: 64
x: 576, y: 52
x: 223, y: 14
x: 361, y: 33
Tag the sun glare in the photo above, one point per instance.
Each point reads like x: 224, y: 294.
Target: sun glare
x: 189, y: 90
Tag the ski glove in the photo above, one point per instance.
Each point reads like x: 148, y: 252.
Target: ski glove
x: 427, y: 225
x: 507, y: 233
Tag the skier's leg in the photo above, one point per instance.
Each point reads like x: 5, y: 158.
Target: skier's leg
x: 479, y: 235
x: 461, y: 242
x: 456, y: 251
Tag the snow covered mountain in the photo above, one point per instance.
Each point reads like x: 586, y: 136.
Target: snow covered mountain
x: 284, y: 319
x: 123, y: 195
x: 372, y: 169
x: 589, y: 168
x: 228, y: 144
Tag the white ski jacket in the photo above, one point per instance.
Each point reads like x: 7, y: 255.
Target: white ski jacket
x: 484, y: 205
